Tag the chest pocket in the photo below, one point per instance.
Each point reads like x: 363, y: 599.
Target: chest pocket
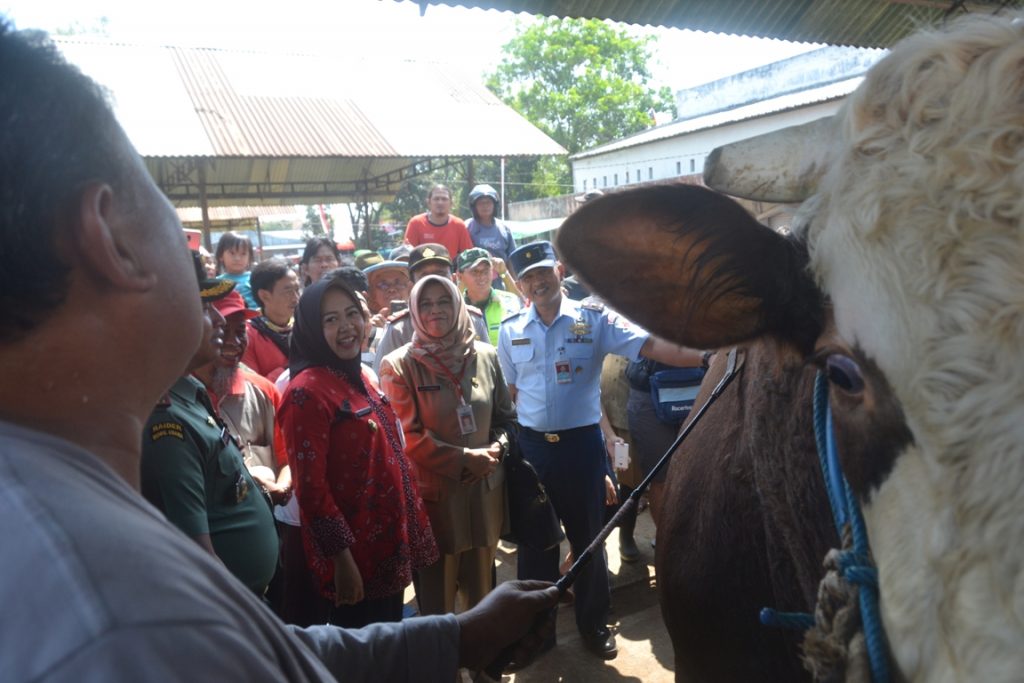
x: 580, y: 350
x: 228, y: 487
x: 521, y: 353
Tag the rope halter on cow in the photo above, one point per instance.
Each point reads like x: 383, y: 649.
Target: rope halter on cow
x: 850, y: 587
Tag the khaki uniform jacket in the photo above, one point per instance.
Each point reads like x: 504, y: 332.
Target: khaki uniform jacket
x: 462, y: 516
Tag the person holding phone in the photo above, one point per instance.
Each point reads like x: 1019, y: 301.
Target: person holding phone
x: 456, y: 411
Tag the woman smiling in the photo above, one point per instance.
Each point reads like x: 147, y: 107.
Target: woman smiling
x: 363, y: 523
x: 455, y: 408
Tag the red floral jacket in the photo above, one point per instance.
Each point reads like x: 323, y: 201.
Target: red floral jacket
x: 353, y: 483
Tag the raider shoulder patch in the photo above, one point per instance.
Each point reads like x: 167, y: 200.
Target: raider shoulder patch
x: 162, y: 430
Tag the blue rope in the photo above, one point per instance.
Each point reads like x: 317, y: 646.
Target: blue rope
x: 794, y: 621
x: 825, y: 440
x: 855, y: 564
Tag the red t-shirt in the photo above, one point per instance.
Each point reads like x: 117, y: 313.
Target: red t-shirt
x: 263, y: 356
x: 453, y: 234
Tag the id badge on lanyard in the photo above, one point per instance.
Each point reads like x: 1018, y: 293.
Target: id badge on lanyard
x: 563, y: 368
x: 467, y: 423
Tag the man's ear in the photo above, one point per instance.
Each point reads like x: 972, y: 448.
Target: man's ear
x: 263, y: 295
x: 102, y: 237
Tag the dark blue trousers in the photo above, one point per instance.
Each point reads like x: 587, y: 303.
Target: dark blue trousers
x: 572, y: 471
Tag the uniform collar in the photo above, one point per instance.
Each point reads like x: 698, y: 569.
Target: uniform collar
x: 568, y: 307
x: 187, y: 388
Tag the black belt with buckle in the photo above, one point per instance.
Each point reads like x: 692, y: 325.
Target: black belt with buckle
x: 556, y: 436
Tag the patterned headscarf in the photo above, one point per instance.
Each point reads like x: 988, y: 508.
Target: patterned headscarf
x: 455, y: 348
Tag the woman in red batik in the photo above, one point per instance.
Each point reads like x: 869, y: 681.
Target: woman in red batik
x: 363, y: 523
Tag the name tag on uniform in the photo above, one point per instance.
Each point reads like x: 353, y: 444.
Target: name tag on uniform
x: 429, y: 387
x: 520, y: 342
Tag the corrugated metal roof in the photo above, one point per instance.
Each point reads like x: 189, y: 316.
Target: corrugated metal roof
x: 863, y: 23
x: 774, y: 105
x: 276, y: 129
x: 194, y: 214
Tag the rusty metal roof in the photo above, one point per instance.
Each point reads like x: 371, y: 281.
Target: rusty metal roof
x: 255, y: 128
x: 862, y: 23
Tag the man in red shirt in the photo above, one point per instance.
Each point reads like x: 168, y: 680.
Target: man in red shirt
x: 438, y: 225
x: 276, y: 287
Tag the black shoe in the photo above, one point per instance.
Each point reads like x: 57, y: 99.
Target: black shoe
x: 601, y: 642
x: 627, y: 548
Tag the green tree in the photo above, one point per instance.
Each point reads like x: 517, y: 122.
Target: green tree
x: 582, y: 82
x: 313, y: 225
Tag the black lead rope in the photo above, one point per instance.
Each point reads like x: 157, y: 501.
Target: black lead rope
x: 495, y: 668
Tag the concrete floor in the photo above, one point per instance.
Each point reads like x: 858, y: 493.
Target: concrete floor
x: 645, y: 651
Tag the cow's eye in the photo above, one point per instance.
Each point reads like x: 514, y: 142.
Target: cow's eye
x: 844, y: 373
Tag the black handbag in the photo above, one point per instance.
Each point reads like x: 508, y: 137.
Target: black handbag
x: 532, y: 519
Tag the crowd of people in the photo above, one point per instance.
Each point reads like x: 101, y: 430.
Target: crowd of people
x: 401, y: 380
x: 326, y: 435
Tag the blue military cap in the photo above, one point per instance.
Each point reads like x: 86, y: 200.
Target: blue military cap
x: 530, y: 256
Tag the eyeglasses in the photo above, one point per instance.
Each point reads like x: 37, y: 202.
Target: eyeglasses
x: 324, y: 260
x: 384, y: 285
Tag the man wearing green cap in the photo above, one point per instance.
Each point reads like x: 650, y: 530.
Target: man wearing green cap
x: 476, y: 273
x: 193, y: 471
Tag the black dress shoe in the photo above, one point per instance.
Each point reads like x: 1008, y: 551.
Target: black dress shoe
x: 601, y: 642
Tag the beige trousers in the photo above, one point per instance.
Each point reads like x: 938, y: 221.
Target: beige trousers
x: 467, y: 574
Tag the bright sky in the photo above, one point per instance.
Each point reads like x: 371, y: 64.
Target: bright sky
x: 466, y: 37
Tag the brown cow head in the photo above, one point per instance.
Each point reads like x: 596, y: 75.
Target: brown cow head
x: 916, y: 237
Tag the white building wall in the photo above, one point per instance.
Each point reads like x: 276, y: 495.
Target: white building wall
x: 684, y: 154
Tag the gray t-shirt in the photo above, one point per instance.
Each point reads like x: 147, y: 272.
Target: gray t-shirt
x: 97, y: 586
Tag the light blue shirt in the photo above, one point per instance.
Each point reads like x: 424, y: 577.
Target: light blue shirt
x: 581, y: 335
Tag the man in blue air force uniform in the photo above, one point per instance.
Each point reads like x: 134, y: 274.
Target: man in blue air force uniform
x: 551, y: 354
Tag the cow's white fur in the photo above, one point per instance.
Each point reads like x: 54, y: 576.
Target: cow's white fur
x: 917, y: 234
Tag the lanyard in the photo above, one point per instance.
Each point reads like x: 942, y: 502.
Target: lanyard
x: 457, y: 381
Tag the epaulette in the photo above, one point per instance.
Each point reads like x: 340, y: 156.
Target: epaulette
x: 514, y: 315
x: 398, y: 316
x: 592, y: 305
x: 473, y: 310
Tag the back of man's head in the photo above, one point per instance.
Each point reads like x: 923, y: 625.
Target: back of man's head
x: 57, y: 133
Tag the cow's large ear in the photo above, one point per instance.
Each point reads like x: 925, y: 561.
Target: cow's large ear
x: 691, y: 265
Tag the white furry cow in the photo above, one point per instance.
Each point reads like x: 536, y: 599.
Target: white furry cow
x: 913, y: 230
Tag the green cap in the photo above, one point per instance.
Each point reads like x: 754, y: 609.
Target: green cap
x: 471, y: 257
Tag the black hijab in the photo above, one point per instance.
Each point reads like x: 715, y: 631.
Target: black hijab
x: 308, y: 347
